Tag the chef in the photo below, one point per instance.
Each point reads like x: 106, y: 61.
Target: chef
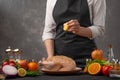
x: 85, y: 20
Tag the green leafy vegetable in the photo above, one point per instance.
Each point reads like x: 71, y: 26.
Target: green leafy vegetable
x: 33, y: 73
x: 101, y: 62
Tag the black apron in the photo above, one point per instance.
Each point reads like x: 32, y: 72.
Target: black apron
x: 66, y: 43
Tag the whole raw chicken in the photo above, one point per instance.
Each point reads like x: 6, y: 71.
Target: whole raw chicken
x: 58, y: 63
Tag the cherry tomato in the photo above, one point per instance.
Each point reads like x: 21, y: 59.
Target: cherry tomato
x: 106, y: 69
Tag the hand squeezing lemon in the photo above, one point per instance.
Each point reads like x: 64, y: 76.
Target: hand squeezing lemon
x: 65, y: 27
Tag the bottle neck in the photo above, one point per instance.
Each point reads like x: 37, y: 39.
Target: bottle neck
x: 110, y: 54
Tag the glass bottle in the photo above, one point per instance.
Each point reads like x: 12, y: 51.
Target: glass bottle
x: 10, y: 53
x: 116, y: 65
x: 110, y: 54
x: 17, y: 53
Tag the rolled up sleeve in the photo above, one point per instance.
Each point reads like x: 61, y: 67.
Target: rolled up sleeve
x: 50, y: 25
x: 99, y: 14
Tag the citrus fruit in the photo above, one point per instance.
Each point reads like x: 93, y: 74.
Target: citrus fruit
x: 94, y: 68
x: 97, y: 54
x: 33, y: 66
x: 22, y: 72
x: 85, y: 70
x: 65, y: 27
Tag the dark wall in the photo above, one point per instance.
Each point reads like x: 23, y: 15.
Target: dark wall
x: 112, y: 32
x: 22, y: 23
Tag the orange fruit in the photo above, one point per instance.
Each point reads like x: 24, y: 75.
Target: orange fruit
x: 33, y: 66
x: 85, y: 70
x: 97, y: 54
x: 94, y: 68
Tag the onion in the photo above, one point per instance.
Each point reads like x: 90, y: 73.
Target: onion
x: 9, y: 71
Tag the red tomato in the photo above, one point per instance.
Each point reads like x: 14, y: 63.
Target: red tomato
x: 11, y: 61
x: 5, y: 63
x: 106, y: 69
x: 12, y: 64
x: 22, y: 63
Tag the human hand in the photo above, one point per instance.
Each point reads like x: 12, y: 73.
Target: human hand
x: 73, y: 26
x: 46, y: 64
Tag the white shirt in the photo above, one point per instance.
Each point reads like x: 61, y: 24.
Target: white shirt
x: 97, y: 9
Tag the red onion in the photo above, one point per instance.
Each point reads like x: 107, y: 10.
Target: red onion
x: 9, y: 71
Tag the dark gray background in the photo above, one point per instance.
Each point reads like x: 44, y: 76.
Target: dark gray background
x: 22, y: 23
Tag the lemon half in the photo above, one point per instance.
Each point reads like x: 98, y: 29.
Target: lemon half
x: 22, y: 72
x: 65, y: 27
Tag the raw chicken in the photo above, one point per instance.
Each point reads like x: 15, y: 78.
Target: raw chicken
x: 58, y: 63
